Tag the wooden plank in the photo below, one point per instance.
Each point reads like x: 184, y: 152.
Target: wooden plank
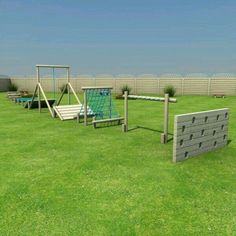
x: 164, y: 138
x: 68, y: 111
x: 160, y: 99
x: 107, y: 120
x: 68, y: 106
x: 96, y: 87
x: 126, y: 112
x: 210, y: 113
x: 53, y: 66
x: 46, y: 100
x: 194, y: 135
x: 73, y: 91
x: 58, y: 113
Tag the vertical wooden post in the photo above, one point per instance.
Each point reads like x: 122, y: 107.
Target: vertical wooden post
x: 110, y: 103
x: 38, y: 81
x: 164, y: 136
x: 54, y: 84
x: 85, y: 107
x: 125, y: 125
x: 67, y: 84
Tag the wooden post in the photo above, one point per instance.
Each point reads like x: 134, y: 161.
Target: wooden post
x: 68, y: 82
x: 125, y: 125
x: 164, y: 136
x: 46, y: 100
x: 85, y: 107
x: 38, y: 81
x: 110, y: 103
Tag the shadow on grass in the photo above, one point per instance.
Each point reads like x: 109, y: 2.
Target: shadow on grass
x: 150, y: 129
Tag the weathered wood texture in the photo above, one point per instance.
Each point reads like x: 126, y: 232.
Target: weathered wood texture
x: 199, y: 132
x: 67, y: 112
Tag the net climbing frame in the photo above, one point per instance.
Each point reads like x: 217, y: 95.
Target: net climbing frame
x: 98, y: 104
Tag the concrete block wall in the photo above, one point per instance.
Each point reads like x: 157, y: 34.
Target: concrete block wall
x: 200, y: 132
x: 4, y: 84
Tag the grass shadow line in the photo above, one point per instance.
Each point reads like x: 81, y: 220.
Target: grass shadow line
x: 150, y: 129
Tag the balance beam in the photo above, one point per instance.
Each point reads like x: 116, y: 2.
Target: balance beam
x: 159, y: 99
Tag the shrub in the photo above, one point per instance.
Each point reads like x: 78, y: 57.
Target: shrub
x: 63, y: 87
x: 125, y: 88
x: 170, y: 89
x: 12, y: 87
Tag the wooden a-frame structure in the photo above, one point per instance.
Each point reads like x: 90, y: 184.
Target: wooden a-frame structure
x: 40, y: 92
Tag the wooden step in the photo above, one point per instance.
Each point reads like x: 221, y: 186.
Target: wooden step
x: 67, y: 112
x: 70, y: 112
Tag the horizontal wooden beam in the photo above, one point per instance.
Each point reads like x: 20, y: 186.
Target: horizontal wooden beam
x: 160, y: 99
x: 107, y: 120
x: 96, y: 87
x: 52, y: 66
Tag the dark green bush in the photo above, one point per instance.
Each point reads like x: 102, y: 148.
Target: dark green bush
x: 12, y: 87
x: 170, y: 89
x: 63, y: 87
x: 125, y: 88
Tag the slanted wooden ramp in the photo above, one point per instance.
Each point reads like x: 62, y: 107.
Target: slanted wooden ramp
x: 67, y: 112
x: 70, y: 112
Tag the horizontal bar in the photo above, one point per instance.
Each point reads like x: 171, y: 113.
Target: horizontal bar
x: 96, y: 87
x: 151, y: 98
x: 107, y: 120
x: 52, y: 66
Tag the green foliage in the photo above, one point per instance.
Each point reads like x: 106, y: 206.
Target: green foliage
x: 12, y: 87
x: 125, y: 88
x: 170, y: 89
x: 63, y: 87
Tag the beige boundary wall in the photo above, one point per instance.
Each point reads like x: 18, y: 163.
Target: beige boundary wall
x: 199, y: 132
x: 145, y: 84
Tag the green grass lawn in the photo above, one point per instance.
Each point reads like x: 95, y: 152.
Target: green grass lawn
x: 61, y: 178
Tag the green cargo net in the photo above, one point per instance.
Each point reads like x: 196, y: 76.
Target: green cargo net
x: 99, y: 103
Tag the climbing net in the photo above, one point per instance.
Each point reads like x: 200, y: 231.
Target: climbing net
x: 99, y: 103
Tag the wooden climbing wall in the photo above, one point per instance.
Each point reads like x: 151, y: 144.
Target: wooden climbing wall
x: 200, y: 132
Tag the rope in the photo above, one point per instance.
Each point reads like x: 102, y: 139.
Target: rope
x: 99, y: 101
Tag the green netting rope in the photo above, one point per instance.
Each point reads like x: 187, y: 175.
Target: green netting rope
x: 99, y: 102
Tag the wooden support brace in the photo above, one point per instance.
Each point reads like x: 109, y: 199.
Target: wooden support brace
x: 164, y: 136
x: 125, y: 125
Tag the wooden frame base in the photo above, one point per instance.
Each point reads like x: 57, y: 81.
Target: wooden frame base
x: 119, y: 119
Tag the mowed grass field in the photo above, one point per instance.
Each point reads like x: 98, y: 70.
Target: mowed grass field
x: 61, y: 178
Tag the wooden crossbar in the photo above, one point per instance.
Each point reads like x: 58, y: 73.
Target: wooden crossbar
x: 160, y: 99
x: 95, y: 122
x: 96, y: 87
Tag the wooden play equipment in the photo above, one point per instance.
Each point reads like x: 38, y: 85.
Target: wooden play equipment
x: 98, y: 105
x: 199, y: 132
x: 166, y: 100
x: 64, y: 112
x: 219, y: 95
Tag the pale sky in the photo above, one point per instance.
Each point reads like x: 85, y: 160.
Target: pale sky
x: 118, y: 37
